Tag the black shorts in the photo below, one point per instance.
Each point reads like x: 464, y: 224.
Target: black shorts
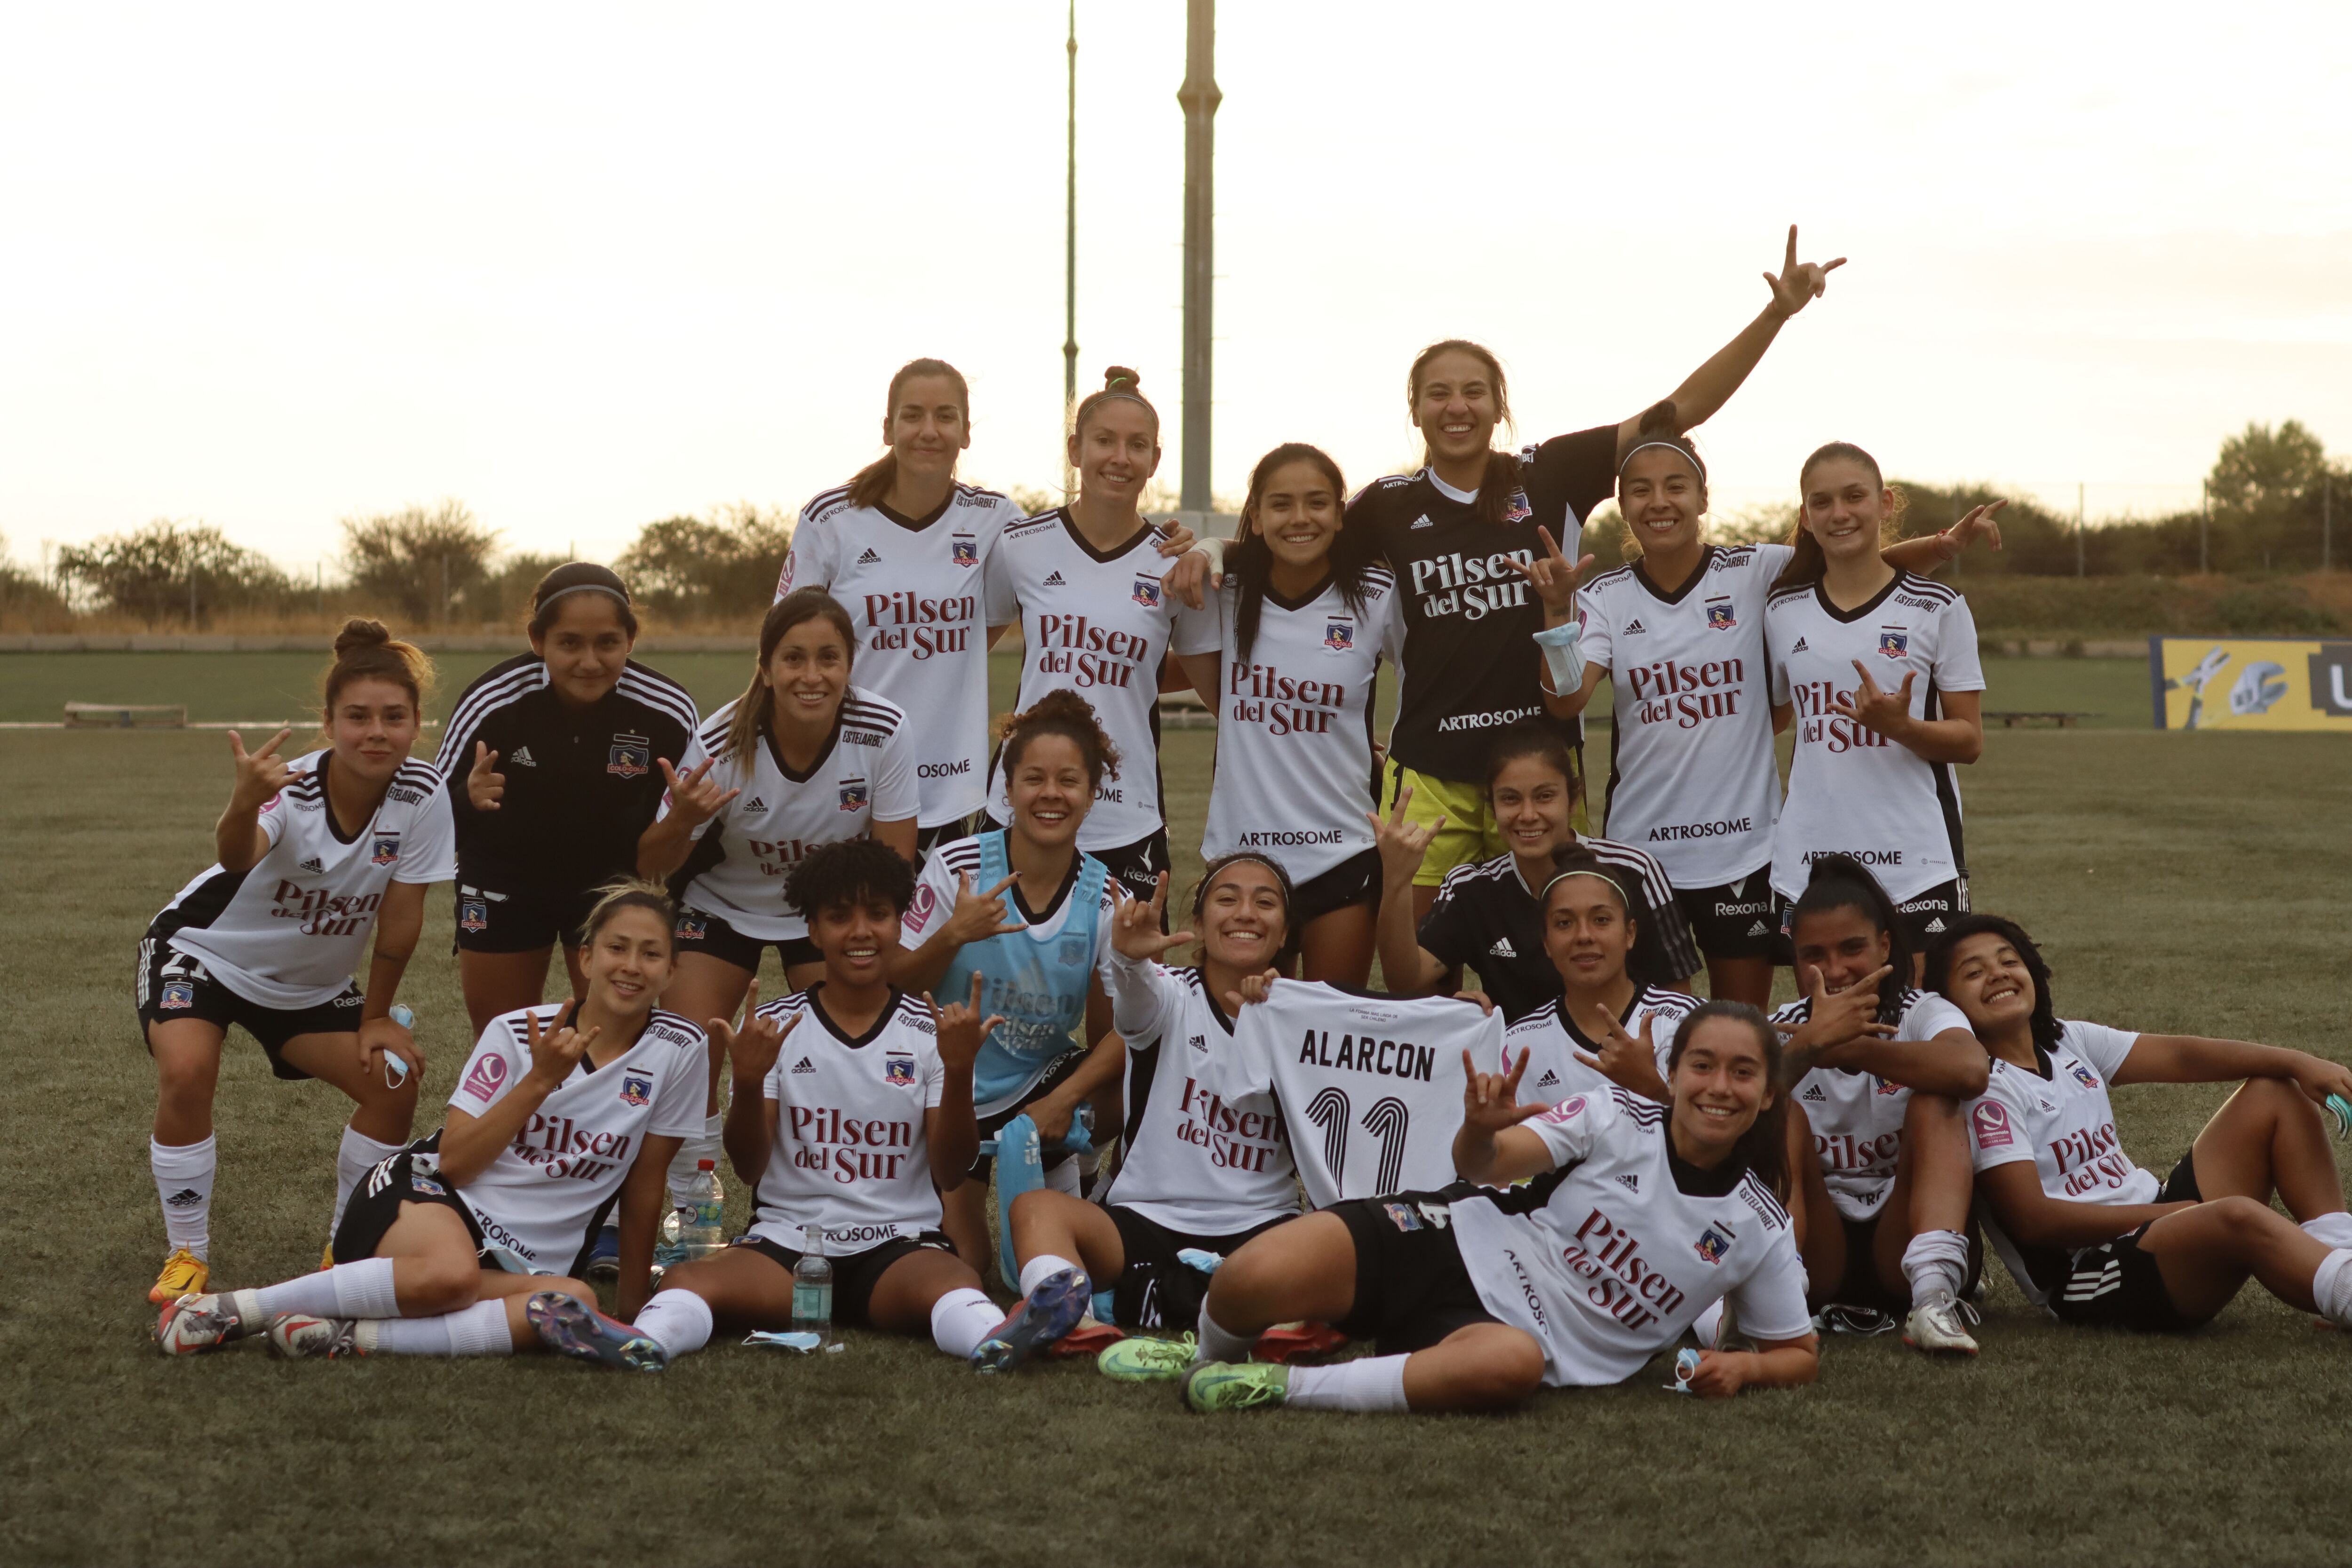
x: 1925, y: 917
x: 2115, y: 1284
x: 927, y: 838
x: 174, y: 984
x: 511, y: 918
x: 410, y: 1176
x: 856, y: 1274
x: 1353, y: 882
x: 1861, y: 1287
x: 1137, y: 865
x: 1412, y: 1290
x: 1739, y: 918
x: 993, y: 1122
x: 700, y: 931
x: 1158, y: 1290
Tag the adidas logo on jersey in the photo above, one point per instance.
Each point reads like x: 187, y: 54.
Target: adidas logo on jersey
x: 1199, y: 1042
x: 1813, y: 1091
x: 1935, y: 925
x: 523, y: 758
x: 804, y: 1065
x: 312, y: 866
x: 1759, y: 929
x: 1423, y: 521
x: 757, y: 805
x: 1502, y: 949
x: 1551, y: 1079
x: 870, y: 559
x: 1800, y: 647
x: 185, y: 1198
x: 1633, y: 625
x: 1054, y: 580
x: 1630, y: 1182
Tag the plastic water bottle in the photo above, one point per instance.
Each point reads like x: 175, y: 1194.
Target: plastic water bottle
x: 699, y: 1230
x: 812, y: 1289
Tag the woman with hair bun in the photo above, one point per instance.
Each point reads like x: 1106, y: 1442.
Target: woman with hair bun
x: 1087, y: 582
x: 552, y: 759
x: 313, y: 854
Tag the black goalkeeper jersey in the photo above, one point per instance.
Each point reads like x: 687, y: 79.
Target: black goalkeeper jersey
x: 579, y: 787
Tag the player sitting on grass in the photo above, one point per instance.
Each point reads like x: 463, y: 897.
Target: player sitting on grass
x: 1877, y: 1073
x: 1618, y: 1221
x: 1203, y: 1172
x: 844, y: 1131
x: 561, y: 1110
x: 2097, y: 1239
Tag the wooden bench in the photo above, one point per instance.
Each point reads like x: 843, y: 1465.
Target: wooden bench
x: 2011, y: 718
x: 126, y: 716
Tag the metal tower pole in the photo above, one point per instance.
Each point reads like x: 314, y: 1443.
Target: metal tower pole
x: 1070, y: 235
x: 1200, y: 98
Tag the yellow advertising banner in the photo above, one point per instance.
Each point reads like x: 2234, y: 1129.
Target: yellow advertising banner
x: 2249, y: 683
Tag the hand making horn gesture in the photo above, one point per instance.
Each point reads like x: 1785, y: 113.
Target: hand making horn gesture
x: 485, y: 787
x: 1629, y: 1063
x: 751, y: 1048
x: 1837, y: 1018
x: 960, y: 1028
x: 1253, y: 988
x: 1402, y: 844
x: 553, y: 1055
x: 1886, y: 713
x: 1551, y: 577
x: 696, y: 798
x: 1800, y: 282
x: 979, y: 916
x: 1982, y: 522
x: 1135, y: 924
x: 1490, y: 1101
x: 259, y: 774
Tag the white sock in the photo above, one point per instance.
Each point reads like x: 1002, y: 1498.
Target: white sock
x: 2330, y: 1229
x: 678, y: 1320
x: 361, y: 1289
x: 479, y: 1329
x: 1936, y: 1260
x: 710, y: 1146
x: 184, y: 1185
x: 2331, y: 1288
x: 1216, y: 1342
x: 1708, y: 1328
x: 1368, y: 1382
x: 961, y: 1318
x: 1039, y: 1267
x: 357, y: 1153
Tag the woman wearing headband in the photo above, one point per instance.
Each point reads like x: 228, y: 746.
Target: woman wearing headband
x: 553, y: 762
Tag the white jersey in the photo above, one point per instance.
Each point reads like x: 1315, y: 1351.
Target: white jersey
x: 1609, y: 1257
x: 1098, y: 625
x: 1370, y: 1087
x: 1294, y: 728
x: 543, y: 1196
x: 744, y: 854
x: 913, y: 590
x: 1692, y: 777
x: 288, y: 931
x: 850, y: 1154
x: 1857, y: 1117
x: 2059, y: 1118
x: 1852, y: 790
x: 1550, y: 1040
x: 1196, y: 1159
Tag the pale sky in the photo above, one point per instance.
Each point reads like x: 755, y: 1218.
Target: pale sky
x: 586, y: 266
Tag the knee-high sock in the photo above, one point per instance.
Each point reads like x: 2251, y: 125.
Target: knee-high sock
x: 479, y: 1329
x: 1215, y: 1342
x: 1041, y: 1268
x: 361, y: 1289
x: 184, y: 1185
x: 2330, y: 1229
x: 357, y: 1153
x: 678, y: 1320
x: 1936, y: 1260
x: 961, y: 1318
x: 2331, y: 1288
x: 1368, y: 1382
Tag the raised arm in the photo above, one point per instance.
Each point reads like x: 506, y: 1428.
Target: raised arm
x: 239, y: 839
x: 2193, y: 1059
x: 469, y: 1143
x: 975, y: 917
x: 1492, y: 1149
x: 1408, y: 968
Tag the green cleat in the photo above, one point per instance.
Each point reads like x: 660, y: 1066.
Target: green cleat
x: 1225, y: 1385
x: 1146, y: 1361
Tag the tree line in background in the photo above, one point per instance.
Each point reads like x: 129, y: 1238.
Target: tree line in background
x: 2274, y: 499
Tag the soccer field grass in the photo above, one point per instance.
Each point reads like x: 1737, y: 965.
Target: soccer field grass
x: 2183, y: 882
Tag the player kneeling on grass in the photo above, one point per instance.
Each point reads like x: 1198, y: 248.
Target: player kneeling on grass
x: 849, y: 1098
x: 2095, y: 1238
x: 561, y: 1110
x: 1205, y: 1171
x: 1618, y: 1221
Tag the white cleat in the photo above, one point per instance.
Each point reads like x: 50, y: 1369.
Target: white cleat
x: 194, y: 1324
x: 1936, y: 1326
x: 299, y: 1336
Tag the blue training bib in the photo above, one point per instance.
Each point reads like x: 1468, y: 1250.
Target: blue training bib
x: 1039, y: 985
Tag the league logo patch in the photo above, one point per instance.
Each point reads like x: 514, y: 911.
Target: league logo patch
x: 485, y: 1077
x: 179, y: 993
x: 1518, y: 511
x: 1573, y: 1105
x: 1886, y: 1088
x: 965, y: 550
x: 1712, y: 1244
x: 638, y: 1089
x: 900, y: 1070
x: 1147, y: 592
x: 1719, y: 617
x: 1074, y: 950
x: 2085, y: 1076
x: 784, y: 578
x: 1894, y: 644
x: 1991, y: 1121
x: 1402, y: 1215
x: 919, y: 913
x: 473, y: 914
x: 632, y: 756
x: 1339, y: 635
x: 693, y: 927
x: 426, y: 1186
x: 853, y: 795
x: 387, y: 848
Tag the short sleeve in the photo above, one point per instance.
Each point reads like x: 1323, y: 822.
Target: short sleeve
x: 1573, y: 1128
x: 935, y: 1079
x: 1248, y: 1068
x: 1771, y: 560
x: 428, y: 850
x: 1997, y: 1132
x: 1677, y: 947
x: 809, y: 562
x: 1390, y: 608
x: 1579, y: 471
x: 1596, y: 638
x: 684, y: 1091
x: 999, y: 598
x: 696, y: 754
x: 490, y: 1072
x: 933, y: 901
x: 1957, y: 667
x: 1102, y: 926
x: 1930, y: 1016
x: 1196, y: 631
x: 1779, y: 677
x: 898, y: 796
x: 2097, y: 1044
x: 1448, y: 932
x: 271, y: 817
x: 1769, y: 1303
x: 1142, y: 997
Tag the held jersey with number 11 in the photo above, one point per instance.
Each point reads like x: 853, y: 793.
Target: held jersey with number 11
x: 1371, y: 1085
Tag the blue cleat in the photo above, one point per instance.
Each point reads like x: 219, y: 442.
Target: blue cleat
x: 1049, y: 1311
x: 604, y: 1257
x: 569, y: 1326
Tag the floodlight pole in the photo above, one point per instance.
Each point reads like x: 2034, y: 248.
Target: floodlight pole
x: 1200, y: 98
x: 1070, y: 233
x: 2078, y: 528
x: 2327, y: 519
x: 2204, y: 523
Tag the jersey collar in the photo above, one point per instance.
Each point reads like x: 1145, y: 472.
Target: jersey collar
x: 1143, y: 536
x: 1560, y: 1011
x: 1705, y: 563
x: 1822, y: 597
x: 1069, y: 881
x: 917, y: 524
x: 881, y: 1019
x: 1693, y: 1182
x: 1463, y: 498
x: 776, y: 750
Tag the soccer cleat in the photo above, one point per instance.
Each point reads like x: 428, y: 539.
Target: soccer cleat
x: 1044, y: 1315
x: 1225, y: 1385
x: 1837, y: 1318
x: 569, y: 1326
x: 184, y: 1274
x: 327, y: 1257
x: 1935, y: 1325
x: 1146, y: 1361
x: 194, y: 1324
x: 299, y: 1336
x: 604, y: 1257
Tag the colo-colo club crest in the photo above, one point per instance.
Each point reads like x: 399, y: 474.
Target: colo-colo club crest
x: 632, y: 756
